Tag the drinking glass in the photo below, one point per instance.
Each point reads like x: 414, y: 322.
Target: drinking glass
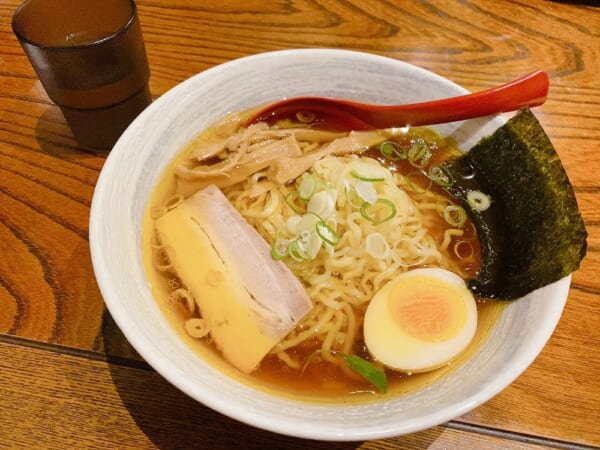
x: 90, y: 57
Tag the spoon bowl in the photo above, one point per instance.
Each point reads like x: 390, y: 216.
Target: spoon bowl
x: 325, y: 112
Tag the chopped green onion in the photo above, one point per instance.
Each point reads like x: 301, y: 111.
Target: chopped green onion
x: 478, y: 201
x: 392, y: 151
x: 440, y: 175
x: 419, y: 153
x: 327, y: 233
x: 279, y: 249
x: 455, y: 215
x: 363, y: 367
x: 304, y: 236
x: 307, y: 222
x: 353, y: 198
x: 373, y: 212
x: 323, y: 203
x: 296, y: 252
x: 312, y: 245
x: 366, y: 191
x: 293, y: 224
x: 366, y: 178
x: 307, y: 187
x: 377, y: 246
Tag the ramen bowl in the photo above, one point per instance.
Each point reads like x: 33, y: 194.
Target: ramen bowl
x: 134, y: 167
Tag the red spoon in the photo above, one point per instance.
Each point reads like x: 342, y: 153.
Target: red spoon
x: 528, y: 91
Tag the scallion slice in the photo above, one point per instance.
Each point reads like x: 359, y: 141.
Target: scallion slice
x: 419, y: 153
x: 279, y: 249
x: 455, y: 215
x: 296, y: 252
x: 478, y: 201
x: 307, y: 188
x: 393, y: 151
x: 380, y: 211
x: 366, y: 191
x: 377, y: 246
x: 353, y: 198
x: 313, y: 245
x: 366, y: 178
x: 440, y: 175
x: 327, y: 233
x: 323, y: 203
x: 307, y: 223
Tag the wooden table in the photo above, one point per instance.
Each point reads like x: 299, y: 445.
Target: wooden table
x: 68, y: 378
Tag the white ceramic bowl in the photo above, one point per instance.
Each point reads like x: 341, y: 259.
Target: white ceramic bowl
x: 133, y: 168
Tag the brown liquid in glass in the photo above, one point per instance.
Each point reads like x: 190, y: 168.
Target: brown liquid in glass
x: 56, y: 23
x: 90, y: 57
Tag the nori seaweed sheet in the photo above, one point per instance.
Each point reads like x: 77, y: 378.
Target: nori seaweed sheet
x: 533, y: 233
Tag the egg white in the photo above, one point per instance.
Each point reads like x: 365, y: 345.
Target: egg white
x: 394, y: 347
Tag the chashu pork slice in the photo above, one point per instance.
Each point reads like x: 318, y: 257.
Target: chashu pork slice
x: 249, y: 300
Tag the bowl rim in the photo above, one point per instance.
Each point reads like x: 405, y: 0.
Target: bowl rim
x: 129, y: 326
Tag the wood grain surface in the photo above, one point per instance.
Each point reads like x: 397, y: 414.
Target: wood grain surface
x: 69, y: 378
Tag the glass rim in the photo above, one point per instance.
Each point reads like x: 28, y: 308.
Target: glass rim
x: 22, y: 38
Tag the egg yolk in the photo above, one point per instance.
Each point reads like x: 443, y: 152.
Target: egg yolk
x: 428, y: 309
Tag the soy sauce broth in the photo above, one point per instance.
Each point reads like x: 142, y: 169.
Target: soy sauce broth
x: 318, y: 380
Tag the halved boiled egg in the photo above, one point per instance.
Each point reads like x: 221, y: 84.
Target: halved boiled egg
x: 420, y: 320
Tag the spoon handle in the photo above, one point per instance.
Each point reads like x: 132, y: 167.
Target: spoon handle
x: 527, y: 91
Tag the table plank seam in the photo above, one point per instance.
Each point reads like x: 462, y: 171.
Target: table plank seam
x: 75, y: 352
x: 515, y: 436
